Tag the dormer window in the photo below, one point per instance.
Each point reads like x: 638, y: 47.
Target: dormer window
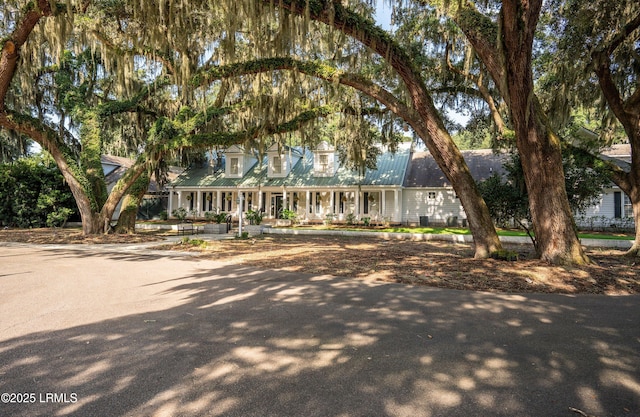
x: 282, y: 159
x: 325, y: 163
x: 234, y: 166
x: 238, y: 161
x: 276, y: 167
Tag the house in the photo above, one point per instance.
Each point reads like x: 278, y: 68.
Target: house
x: 613, y: 208
x: 407, y: 187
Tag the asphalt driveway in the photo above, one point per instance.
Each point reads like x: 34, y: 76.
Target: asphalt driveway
x: 90, y: 332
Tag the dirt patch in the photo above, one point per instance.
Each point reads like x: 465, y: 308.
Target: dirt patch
x: 436, y: 264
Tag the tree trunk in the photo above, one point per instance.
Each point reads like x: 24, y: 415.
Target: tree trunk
x: 628, y: 113
x: 510, y: 67
x: 539, y: 148
x: 434, y: 134
x: 553, y: 224
x: 635, y: 248
x: 131, y: 204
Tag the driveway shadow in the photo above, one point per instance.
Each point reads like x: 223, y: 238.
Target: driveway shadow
x: 245, y: 342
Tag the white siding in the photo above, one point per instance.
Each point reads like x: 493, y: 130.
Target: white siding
x: 416, y: 203
x: 604, y: 207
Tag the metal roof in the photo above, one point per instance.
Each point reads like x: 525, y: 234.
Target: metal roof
x: 391, y: 169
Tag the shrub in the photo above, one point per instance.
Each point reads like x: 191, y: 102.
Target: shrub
x: 255, y: 217
x: 34, y: 194
x: 288, y: 214
x: 504, y: 255
x: 215, y: 216
x: 180, y: 213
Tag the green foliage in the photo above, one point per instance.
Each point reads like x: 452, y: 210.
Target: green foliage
x: 255, y: 216
x: 366, y: 221
x: 193, y: 242
x: 33, y: 194
x: 328, y: 218
x: 350, y: 219
x: 507, y: 202
x: 505, y: 255
x: 180, y: 213
x: 476, y: 135
x: 288, y: 214
x: 215, y: 216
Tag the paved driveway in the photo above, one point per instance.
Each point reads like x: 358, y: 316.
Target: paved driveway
x: 87, y: 332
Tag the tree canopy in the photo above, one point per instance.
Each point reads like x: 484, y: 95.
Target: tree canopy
x: 150, y: 79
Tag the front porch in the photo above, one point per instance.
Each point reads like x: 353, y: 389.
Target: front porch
x: 307, y: 205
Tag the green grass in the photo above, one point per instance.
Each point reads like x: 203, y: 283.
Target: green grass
x: 501, y: 232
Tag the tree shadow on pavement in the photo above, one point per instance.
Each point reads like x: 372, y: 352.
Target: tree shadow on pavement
x: 234, y: 340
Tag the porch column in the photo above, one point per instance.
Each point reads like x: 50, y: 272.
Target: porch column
x: 383, y: 204
x: 284, y: 199
x: 179, y: 199
x: 219, y: 200
x: 357, y: 204
x: 199, y: 202
x: 259, y: 198
x: 170, y: 203
x: 332, y: 203
x: 307, y: 202
x: 396, y: 206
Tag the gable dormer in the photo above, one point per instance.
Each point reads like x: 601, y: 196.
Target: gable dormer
x: 238, y: 162
x: 281, y: 160
x: 325, y: 161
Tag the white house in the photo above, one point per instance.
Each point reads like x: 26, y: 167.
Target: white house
x: 613, y: 207
x: 406, y: 188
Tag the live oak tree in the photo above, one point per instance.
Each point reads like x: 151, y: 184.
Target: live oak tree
x: 430, y: 127
x: 419, y: 110
x: 599, y: 38
x: 504, y: 43
x: 84, y: 94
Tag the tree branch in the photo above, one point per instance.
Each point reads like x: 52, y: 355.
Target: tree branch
x: 314, y: 69
x: 11, y: 46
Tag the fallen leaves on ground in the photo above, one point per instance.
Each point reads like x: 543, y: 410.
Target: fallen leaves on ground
x: 71, y: 236
x: 437, y: 264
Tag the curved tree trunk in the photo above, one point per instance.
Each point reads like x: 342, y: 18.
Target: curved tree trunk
x: 434, y: 134
x: 131, y: 204
x: 539, y: 148
x: 635, y: 248
x: 627, y: 111
x: 510, y: 65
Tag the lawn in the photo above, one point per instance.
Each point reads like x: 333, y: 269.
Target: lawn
x: 465, y: 231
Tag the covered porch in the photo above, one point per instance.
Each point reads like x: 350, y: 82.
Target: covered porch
x: 379, y: 204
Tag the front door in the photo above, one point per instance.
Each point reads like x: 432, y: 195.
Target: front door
x: 276, y: 204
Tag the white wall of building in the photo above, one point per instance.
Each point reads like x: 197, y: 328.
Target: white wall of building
x: 438, y: 204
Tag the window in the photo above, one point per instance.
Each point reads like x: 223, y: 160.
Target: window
x: 277, y: 165
x: 431, y: 195
x: 234, y: 166
x: 324, y: 163
x: 628, y: 208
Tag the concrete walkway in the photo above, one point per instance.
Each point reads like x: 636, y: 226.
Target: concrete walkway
x: 95, y: 331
